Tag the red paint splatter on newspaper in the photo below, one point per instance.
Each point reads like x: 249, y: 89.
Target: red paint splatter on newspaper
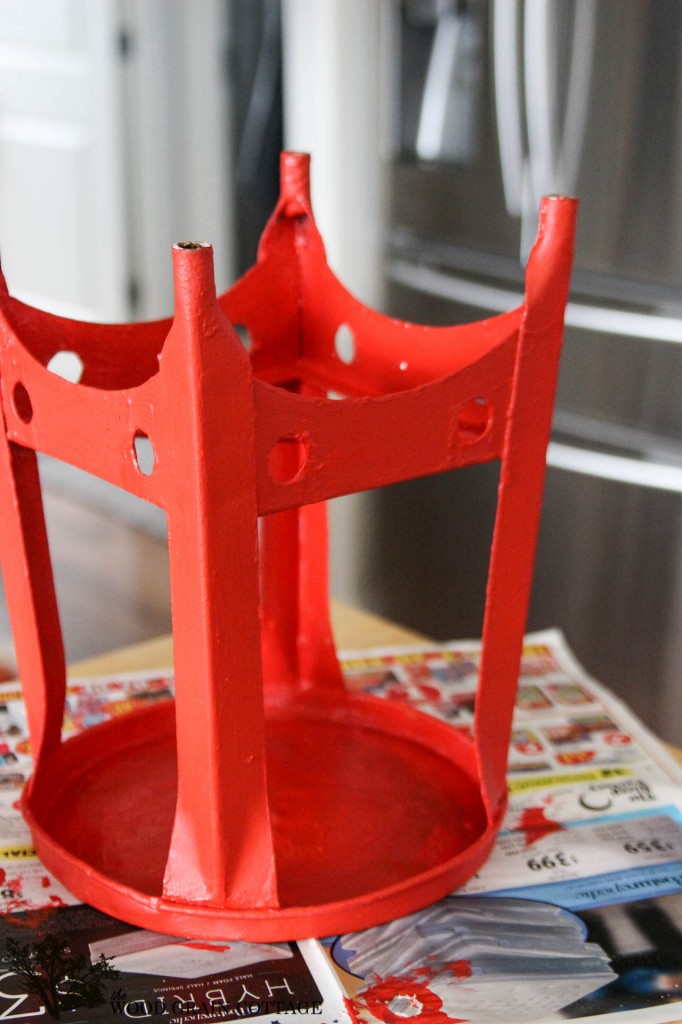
x: 11, y: 892
x: 536, y: 825
x: 13, y: 900
x: 393, y: 999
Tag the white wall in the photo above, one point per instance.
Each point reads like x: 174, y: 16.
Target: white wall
x: 337, y: 97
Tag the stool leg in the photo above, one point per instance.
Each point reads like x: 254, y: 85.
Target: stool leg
x: 298, y: 646
x: 522, y: 476
x: 31, y: 598
x: 221, y: 848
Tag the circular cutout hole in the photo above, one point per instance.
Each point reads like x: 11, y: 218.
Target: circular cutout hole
x: 22, y: 403
x: 145, y: 458
x: 344, y: 343
x: 473, y: 420
x: 67, y: 365
x: 288, y: 458
x: 244, y: 336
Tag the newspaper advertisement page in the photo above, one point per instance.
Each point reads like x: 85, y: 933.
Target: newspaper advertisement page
x: 578, y: 912
x: 576, y: 915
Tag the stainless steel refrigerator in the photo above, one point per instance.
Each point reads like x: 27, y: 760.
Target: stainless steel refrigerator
x: 495, y: 104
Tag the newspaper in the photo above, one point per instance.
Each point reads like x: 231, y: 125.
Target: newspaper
x: 577, y: 915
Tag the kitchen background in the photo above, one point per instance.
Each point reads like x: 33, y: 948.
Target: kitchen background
x: 435, y: 126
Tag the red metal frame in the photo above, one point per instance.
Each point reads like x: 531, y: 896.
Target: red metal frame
x: 268, y: 802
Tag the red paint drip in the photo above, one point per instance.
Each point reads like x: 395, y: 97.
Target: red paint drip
x: 350, y: 1010
x: 456, y: 969
x: 536, y: 825
x: 45, y: 882
x: 16, y: 902
x: 214, y: 947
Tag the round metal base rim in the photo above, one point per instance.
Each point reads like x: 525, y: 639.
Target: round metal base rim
x: 257, y: 923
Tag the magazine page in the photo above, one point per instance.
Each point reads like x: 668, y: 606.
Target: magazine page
x: 578, y: 912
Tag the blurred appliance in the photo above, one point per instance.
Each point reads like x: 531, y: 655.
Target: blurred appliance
x: 496, y: 104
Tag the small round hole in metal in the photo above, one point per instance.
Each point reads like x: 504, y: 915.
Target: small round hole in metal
x: 344, y: 344
x: 67, y: 365
x: 21, y: 400
x: 288, y: 458
x: 143, y: 453
x: 473, y: 421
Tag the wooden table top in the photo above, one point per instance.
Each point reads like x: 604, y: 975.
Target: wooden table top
x: 352, y: 628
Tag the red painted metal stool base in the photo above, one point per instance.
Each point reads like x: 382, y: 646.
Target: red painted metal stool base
x: 383, y: 780
x: 268, y: 802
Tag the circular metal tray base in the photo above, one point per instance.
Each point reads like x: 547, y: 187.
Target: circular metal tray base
x: 375, y: 811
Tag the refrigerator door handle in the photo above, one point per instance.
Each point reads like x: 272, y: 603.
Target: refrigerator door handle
x: 541, y: 99
x: 451, y: 100
x: 508, y: 101
x: 578, y: 92
x: 619, y: 468
x: 434, y: 106
x: 554, y: 153
x: 452, y: 286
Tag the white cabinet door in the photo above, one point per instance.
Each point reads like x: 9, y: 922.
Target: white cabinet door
x: 62, y: 199
x: 114, y: 143
x: 178, y: 141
